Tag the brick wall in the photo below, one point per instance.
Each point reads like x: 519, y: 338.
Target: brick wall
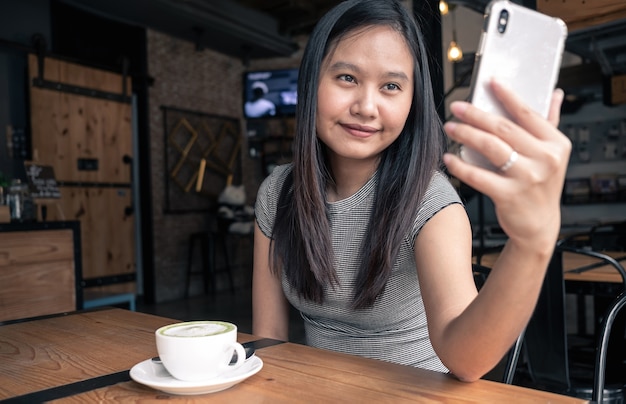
x: 202, y: 81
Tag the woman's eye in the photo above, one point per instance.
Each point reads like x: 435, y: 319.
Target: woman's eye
x: 391, y: 86
x: 347, y: 77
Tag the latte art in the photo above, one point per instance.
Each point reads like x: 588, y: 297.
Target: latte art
x: 197, y: 329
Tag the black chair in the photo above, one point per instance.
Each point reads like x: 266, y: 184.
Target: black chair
x: 207, y: 241
x: 546, y: 350
x: 608, y: 237
x: 219, y: 239
x: 601, y: 354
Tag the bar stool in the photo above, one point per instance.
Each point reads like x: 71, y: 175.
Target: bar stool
x: 207, y: 241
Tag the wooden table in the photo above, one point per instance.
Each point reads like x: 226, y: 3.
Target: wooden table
x: 86, y: 356
x: 585, y: 276
x: 581, y: 268
x: 573, y: 263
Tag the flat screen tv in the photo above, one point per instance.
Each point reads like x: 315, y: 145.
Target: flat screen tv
x: 269, y: 93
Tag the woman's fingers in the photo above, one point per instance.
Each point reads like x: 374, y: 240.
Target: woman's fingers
x: 492, y: 136
x: 484, y: 181
x: 496, y: 137
x: 493, y: 148
x: 524, y: 116
x: 527, y: 194
x: 554, y: 115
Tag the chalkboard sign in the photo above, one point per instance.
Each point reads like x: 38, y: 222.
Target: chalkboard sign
x: 41, y: 181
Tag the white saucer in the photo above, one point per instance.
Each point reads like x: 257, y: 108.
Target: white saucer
x: 156, y: 376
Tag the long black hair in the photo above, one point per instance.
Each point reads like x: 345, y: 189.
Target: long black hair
x: 301, y: 235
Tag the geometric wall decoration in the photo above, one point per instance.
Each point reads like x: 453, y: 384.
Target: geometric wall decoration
x: 202, y: 156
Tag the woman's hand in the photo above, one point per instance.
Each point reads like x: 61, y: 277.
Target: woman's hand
x: 526, y: 192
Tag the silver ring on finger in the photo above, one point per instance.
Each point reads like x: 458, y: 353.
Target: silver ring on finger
x: 509, y: 163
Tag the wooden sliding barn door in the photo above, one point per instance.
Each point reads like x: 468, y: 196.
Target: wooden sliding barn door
x: 81, y: 126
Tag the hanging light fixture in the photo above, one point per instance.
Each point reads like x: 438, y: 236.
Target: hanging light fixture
x: 455, y: 53
x: 443, y: 7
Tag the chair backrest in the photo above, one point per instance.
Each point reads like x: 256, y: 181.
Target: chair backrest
x: 546, y: 333
x: 40, y: 271
x: 601, y: 354
x: 608, y: 237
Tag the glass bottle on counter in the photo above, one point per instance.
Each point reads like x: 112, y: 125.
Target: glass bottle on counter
x: 20, y: 202
x: 4, y: 186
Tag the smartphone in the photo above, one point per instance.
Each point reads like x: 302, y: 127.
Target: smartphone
x: 522, y: 48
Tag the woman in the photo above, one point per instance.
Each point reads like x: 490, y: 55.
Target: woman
x: 364, y: 234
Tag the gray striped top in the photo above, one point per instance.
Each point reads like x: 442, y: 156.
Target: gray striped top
x: 394, y: 329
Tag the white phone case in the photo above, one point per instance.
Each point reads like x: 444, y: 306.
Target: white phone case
x: 526, y: 55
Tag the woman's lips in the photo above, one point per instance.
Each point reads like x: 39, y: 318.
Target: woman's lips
x: 359, y: 130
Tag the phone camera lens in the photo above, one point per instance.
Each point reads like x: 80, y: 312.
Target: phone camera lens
x: 503, y: 21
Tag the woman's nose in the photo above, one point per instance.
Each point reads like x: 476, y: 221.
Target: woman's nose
x: 364, y: 103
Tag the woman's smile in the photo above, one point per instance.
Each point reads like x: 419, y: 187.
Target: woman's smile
x: 357, y: 130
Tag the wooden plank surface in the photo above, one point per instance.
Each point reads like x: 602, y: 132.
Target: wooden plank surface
x: 54, y: 352
x: 79, y: 75
x: 605, y: 273
x: 618, y: 89
x: 571, y: 261
x: 106, y: 230
x: 579, y: 14
x: 294, y: 373
x: 29, y: 247
x: 68, y: 129
x: 37, y: 274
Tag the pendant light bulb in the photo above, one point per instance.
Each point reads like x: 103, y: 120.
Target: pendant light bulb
x: 443, y: 7
x: 455, y: 53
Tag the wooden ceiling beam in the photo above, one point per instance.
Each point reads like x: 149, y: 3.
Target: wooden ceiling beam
x: 579, y: 14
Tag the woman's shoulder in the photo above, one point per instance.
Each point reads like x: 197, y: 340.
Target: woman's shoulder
x: 281, y: 170
x: 440, y: 185
x: 267, y: 198
x: 440, y: 193
x: 272, y: 184
x: 277, y: 177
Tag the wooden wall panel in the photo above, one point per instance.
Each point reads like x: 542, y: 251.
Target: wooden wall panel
x: 106, y: 232
x: 78, y: 75
x: 66, y: 128
x: 37, y: 274
x: 19, y: 248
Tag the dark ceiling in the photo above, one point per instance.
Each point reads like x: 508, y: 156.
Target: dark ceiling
x: 250, y: 29
x: 294, y: 17
x: 247, y: 29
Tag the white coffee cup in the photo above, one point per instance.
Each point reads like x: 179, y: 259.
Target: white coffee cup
x: 199, y: 350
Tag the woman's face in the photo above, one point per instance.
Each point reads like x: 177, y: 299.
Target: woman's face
x: 365, y: 93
